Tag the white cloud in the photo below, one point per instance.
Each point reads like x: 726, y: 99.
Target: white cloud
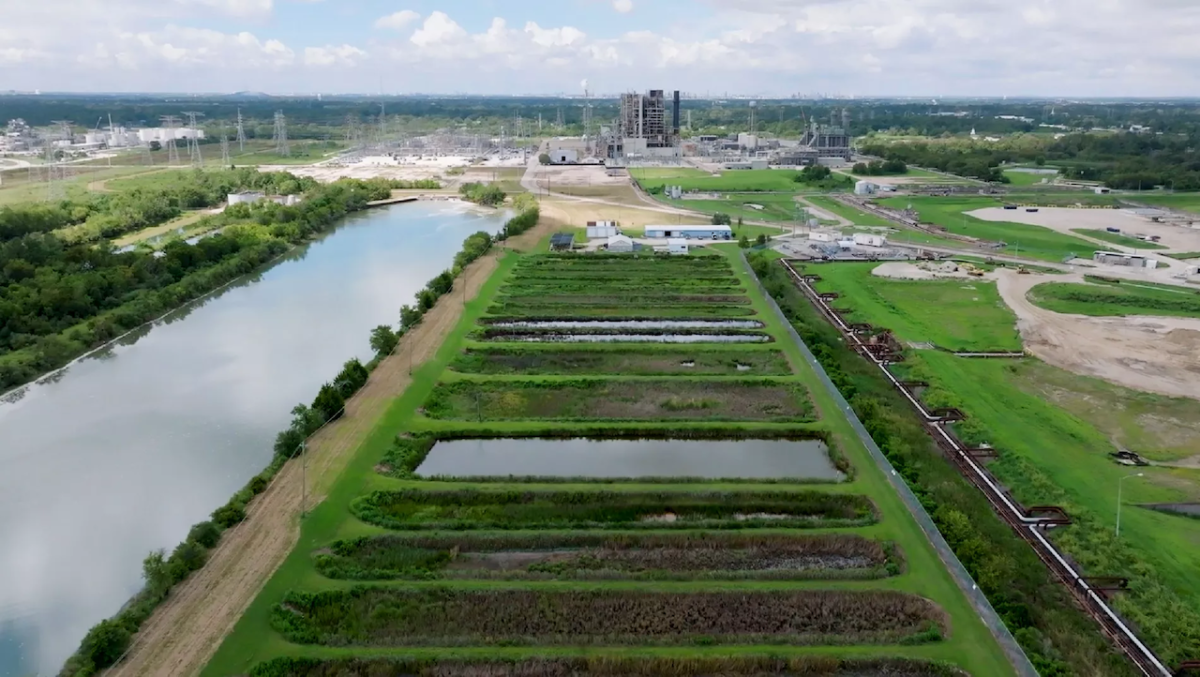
x: 863, y: 47
x: 398, y: 20
x: 438, y: 29
x: 329, y: 55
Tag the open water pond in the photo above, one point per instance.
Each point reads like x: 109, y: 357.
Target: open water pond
x: 123, y: 451
x: 633, y: 324
x: 750, y: 459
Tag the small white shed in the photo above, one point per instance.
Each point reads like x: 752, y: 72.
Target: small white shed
x: 602, y: 229
x: 620, y: 243
x: 820, y: 237
x: 564, y: 156
x: 677, y: 245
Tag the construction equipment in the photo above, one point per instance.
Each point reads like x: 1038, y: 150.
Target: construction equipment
x: 971, y: 269
x: 1022, y: 270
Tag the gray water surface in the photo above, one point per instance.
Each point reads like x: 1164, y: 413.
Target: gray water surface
x: 125, y: 450
x: 751, y: 459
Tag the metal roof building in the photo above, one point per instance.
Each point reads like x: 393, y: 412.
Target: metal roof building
x: 691, y: 232
x: 562, y: 241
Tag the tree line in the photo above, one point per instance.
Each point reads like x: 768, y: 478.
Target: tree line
x: 59, y: 299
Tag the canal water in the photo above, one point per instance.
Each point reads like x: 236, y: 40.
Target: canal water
x: 751, y: 459
x: 121, y: 453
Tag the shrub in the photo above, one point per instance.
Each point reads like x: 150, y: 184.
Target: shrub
x: 205, y: 533
x: 228, y: 515
x: 105, y: 643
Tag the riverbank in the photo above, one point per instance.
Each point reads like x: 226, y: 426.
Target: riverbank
x: 184, y: 632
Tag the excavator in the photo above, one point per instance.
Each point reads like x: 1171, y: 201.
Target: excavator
x: 971, y: 269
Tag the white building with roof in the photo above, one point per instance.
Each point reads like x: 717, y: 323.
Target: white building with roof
x: 709, y: 232
x: 620, y: 244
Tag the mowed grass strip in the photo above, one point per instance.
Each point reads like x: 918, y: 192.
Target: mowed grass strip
x: 632, y: 362
x: 473, y: 509
x: 395, y: 617
x: 1110, y: 300
x: 606, y: 666
x: 618, y: 308
x: 584, y: 400
x: 952, y: 314
x: 1030, y: 241
x: 592, y: 556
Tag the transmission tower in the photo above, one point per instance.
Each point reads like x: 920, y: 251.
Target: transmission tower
x: 194, y: 138
x: 171, y: 122
x: 241, y: 133
x: 281, y: 140
x: 225, y: 162
x: 559, y: 122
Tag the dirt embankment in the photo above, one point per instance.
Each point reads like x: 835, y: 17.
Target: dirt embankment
x: 182, y: 635
x: 1151, y: 354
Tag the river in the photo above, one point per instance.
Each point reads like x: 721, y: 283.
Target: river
x: 125, y: 450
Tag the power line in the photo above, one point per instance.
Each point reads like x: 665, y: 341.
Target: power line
x: 170, y: 122
x: 281, y: 140
x: 241, y: 132
x: 194, y: 138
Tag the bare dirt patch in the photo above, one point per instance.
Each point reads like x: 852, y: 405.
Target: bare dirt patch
x: 1065, y: 220
x: 182, y: 635
x: 900, y: 270
x: 1151, y: 354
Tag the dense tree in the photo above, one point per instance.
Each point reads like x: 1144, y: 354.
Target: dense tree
x: 329, y: 402
x: 383, y: 340
x: 721, y: 219
x: 105, y: 643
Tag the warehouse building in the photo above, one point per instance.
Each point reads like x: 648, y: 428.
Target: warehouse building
x: 602, y: 229
x: 620, y: 244
x: 691, y: 232
x: 1120, y: 259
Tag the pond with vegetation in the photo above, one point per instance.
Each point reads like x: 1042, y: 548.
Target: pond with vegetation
x: 124, y: 450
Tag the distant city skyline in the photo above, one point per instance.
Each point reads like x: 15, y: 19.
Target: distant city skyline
x: 766, y: 48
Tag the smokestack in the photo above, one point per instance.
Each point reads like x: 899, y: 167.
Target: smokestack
x: 675, y: 114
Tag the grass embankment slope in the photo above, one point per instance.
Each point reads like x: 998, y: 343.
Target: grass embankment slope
x: 1101, y: 300
x: 1024, y: 240
x: 1117, y: 238
x: 378, y: 488
x: 957, y: 315
x: 1054, y: 432
x: 183, y: 633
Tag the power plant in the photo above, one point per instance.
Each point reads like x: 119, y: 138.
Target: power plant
x: 643, y: 128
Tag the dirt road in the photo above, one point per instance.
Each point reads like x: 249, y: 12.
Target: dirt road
x: 1151, y: 354
x: 182, y: 635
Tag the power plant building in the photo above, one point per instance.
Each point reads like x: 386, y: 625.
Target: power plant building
x: 645, y: 127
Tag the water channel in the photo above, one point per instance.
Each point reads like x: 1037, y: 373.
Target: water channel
x: 750, y: 459
x: 126, y: 449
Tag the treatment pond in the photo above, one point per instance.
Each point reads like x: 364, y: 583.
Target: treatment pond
x: 750, y: 459
x: 121, y: 453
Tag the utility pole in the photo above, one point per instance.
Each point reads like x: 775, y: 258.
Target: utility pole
x: 170, y: 122
x: 241, y: 132
x: 303, y: 477
x: 194, y: 138
x: 1120, y: 484
x: 281, y: 140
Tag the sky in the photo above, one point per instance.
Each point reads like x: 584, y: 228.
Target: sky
x: 1137, y: 48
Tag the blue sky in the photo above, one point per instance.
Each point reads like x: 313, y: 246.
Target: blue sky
x: 755, y: 47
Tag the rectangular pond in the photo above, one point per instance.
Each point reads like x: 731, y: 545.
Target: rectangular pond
x: 579, y: 457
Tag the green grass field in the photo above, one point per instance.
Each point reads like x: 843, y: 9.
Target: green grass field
x: 1188, y: 202
x: 1117, y: 238
x: 732, y: 181
x: 855, y: 216
x: 1099, y: 300
x: 1026, y: 178
x: 257, y: 636
x: 781, y: 208
x: 960, y: 315
x: 1024, y: 240
x: 1054, y: 430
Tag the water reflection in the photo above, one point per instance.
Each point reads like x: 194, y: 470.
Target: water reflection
x: 751, y: 459
x: 123, y: 451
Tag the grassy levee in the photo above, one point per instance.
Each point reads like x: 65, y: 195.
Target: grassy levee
x: 856, y: 216
x: 963, y: 641
x: 1057, y: 454
x: 1117, y: 238
x: 1100, y: 300
x: 1030, y: 241
x: 959, y: 315
x: 1057, y: 637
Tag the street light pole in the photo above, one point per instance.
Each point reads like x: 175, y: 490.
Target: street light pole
x: 1120, y: 485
